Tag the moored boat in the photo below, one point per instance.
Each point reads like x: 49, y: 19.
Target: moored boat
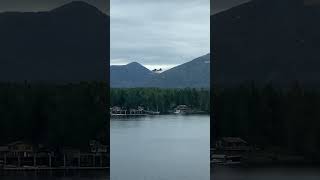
x: 221, y: 159
x: 120, y: 112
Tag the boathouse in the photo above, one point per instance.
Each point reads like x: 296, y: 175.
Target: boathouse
x: 18, y: 155
x: 139, y: 111
x: 136, y: 111
x: 3, y: 151
x: 20, y: 148
x: 97, y: 147
x: 182, y: 109
x: 117, y: 110
x: 232, y: 144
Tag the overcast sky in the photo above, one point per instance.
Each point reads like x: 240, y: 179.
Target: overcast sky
x: 162, y: 33
x: 159, y: 33
x: 156, y: 33
x: 45, y: 5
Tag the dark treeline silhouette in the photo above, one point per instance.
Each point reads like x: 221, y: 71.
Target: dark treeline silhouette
x: 270, y: 117
x: 267, y: 40
x: 55, y: 115
x: 162, y: 99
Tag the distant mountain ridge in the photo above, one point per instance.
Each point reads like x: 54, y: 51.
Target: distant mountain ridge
x: 67, y: 44
x: 74, y: 6
x: 130, y: 75
x: 193, y: 74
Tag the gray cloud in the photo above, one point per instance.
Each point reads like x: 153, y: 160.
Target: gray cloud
x: 45, y: 5
x: 159, y: 33
x: 165, y: 32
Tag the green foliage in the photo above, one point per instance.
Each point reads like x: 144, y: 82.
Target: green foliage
x: 56, y: 115
x: 268, y: 116
x: 162, y: 99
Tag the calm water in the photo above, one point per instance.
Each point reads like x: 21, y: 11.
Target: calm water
x: 302, y: 173
x: 166, y: 147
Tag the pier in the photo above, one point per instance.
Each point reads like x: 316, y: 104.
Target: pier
x: 140, y: 111
x: 19, y: 156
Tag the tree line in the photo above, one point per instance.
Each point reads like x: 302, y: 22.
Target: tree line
x: 54, y: 115
x: 269, y: 117
x: 162, y: 99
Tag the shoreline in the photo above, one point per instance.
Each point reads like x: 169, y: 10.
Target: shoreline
x: 144, y: 115
x: 52, y: 168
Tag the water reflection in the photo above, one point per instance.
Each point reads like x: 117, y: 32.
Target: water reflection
x: 275, y: 173
x: 55, y: 175
x: 160, y: 148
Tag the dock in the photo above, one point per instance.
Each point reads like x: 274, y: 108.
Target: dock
x: 21, y: 156
x: 122, y: 112
x: 52, y: 168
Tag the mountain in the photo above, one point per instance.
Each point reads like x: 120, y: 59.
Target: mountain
x: 67, y: 44
x: 76, y: 7
x: 193, y: 74
x: 267, y: 40
x: 130, y: 75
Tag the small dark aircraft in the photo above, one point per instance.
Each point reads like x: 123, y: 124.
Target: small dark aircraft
x: 157, y: 70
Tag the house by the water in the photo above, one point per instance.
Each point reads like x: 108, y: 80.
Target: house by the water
x: 182, y: 109
x: 229, y: 151
x: 21, y: 155
x: 140, y: 111
x: 232, y: 144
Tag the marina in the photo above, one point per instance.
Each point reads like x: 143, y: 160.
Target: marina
x: 23, y: 156
x: 229, y: 151
x: 186, y: 110
x: 140, y: 111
